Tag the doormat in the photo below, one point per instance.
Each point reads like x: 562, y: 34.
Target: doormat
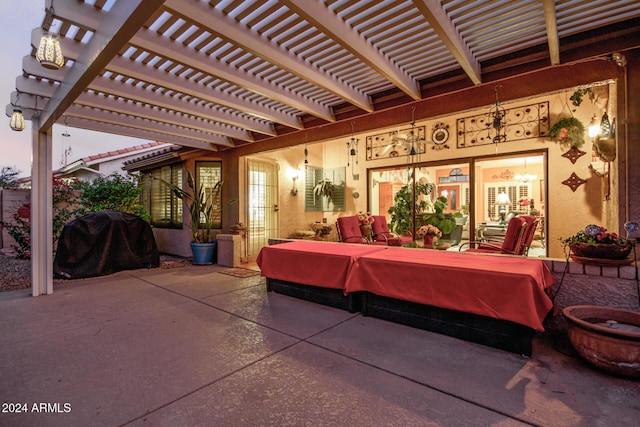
x: 240, y: 272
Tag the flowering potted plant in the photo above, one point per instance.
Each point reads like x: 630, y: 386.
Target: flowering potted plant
x: 524, y: 201
x: 365, y: 220
x: 596, y: 242
x: 428, y: 232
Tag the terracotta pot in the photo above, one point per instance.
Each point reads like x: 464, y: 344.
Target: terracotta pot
x: 613, y: 347
x: 601, y: 250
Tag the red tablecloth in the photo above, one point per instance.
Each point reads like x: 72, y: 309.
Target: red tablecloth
x: 506, y: 288
x: 322, y: 264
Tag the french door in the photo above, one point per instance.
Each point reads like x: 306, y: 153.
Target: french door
x: 262, y: 204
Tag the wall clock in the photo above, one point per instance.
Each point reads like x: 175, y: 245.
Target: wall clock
x: 440, y: 134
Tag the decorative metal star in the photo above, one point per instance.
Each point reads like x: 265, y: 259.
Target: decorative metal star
x: 573, y: 154
x: 574, y: 181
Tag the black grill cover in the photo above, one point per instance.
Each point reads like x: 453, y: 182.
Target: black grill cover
x: 103, y: 243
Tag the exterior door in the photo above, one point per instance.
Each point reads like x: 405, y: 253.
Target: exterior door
x: 262, y: 205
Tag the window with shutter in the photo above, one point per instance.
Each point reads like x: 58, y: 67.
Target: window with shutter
x: 164, y: 207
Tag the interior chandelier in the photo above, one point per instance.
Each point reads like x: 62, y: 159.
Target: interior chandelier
x: 496, y: 121
x: 49, y: 53
x: 525, y: 177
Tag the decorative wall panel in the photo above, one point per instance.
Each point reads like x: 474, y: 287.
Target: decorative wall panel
x: 528, y: 121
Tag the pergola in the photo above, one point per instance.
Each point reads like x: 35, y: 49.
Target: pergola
x: 221, y: 75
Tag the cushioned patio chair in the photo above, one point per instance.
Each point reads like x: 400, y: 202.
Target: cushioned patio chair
x: 512, y: 243
x: 348, y: 229
x: 529, y: 233
x: 381, y: 233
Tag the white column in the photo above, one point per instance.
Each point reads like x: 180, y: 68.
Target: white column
x: 41, y: 212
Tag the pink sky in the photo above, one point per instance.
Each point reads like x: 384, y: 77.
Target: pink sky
x: 18, y: 19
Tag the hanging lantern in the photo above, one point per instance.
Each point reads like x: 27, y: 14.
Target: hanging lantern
x: 496, y: 122
x: 17, y: 121
x: 49, y: 53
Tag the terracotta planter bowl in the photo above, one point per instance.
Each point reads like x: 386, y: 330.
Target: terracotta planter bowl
x: 616, y: 351
x: 602, y: 250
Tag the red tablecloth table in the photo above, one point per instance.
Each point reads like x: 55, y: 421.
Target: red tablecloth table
x: 501, y: 287
x: 322, y: 264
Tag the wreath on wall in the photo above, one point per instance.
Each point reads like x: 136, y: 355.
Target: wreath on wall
x: 568, y: 131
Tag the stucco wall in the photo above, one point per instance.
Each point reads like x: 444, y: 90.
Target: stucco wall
x: 567, y: 211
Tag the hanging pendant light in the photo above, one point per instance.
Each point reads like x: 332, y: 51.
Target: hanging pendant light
x: 17, y: 120
x: 49, y: 53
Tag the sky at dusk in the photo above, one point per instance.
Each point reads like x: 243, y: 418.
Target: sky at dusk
x: 19, y: 18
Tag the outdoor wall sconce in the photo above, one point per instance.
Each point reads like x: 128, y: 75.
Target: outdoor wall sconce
x: 293, y: 174
x: 604, y: 148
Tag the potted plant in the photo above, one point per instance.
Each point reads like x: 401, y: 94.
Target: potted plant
x: 405, y: 208
x: 429, y: 232
x: 365, y: 220
x: 204, y: 215
x: 595, y: 242
x: 568, y: 131
x: 444, y: 221
x: 324, y: 188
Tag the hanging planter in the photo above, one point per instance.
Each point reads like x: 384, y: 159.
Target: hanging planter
x: 568, y: 131
x: 325, y: 188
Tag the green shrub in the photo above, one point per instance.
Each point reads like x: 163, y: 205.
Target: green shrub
x: 115, y: 192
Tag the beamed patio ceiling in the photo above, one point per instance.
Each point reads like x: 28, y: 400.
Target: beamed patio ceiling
x: 223, y: 74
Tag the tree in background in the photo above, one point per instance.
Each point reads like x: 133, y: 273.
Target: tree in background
x: 8, y: 176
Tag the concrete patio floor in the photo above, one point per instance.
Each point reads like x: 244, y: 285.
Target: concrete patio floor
x: 190, y: 346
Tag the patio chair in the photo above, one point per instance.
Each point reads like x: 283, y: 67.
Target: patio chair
x: 512, y: 243
x: 529, y: 233
x: 381, y: 233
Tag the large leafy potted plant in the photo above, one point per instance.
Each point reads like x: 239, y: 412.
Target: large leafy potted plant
x: 444, y: 221
x: 405, y: 208
x: 204, y: 215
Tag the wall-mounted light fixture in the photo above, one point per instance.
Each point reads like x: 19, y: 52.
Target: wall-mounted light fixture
x: 604, y: 148
x: 49, y: 53
x: 594, y: 127
x: 293, y: 175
